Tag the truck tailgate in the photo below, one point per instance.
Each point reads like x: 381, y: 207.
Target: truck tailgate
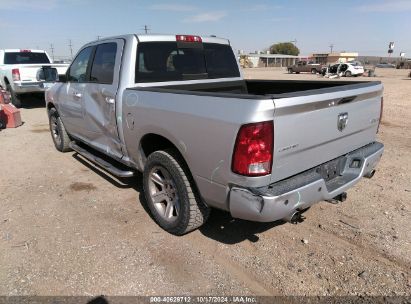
x: 312, y: 129
x: 29, y: 72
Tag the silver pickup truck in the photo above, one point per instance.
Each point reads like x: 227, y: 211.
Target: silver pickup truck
x: 176, y: 108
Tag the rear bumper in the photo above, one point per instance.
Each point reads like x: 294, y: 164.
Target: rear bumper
x: 28, y: 87
x: 279, y: 200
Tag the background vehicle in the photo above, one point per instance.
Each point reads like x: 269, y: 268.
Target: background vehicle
x: 345, y: 69
x: 304, y: 66
x: 177, y: 109
x: 19, y: 68
x: 385, y: 65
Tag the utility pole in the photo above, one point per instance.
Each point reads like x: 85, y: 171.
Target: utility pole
x: 52, y: 51
x: 71, y: 49
x: 98, y: 37
x: 146, y: 29
x: 331, y: 47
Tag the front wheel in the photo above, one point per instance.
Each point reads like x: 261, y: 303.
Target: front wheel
x: 290, y: 71
x: 171, y: 195
x: 15, y: 98
x: 59, y: 134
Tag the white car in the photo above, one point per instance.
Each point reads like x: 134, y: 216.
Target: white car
x: 19, y: 69
x: 348, y: 69
x: 352, y: 68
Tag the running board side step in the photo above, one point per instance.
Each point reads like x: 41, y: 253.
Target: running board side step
x: 101, y: 162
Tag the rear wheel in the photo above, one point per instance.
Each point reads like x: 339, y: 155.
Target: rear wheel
x: 59, y: 134
x: 313, y: 71
x: 171, y: 194
x: 348, y: 74
x: 15, y: 98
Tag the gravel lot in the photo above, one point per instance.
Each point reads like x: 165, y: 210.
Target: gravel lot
x: 66, y: 228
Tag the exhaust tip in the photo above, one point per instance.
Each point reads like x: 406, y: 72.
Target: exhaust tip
x: 295, y: 218
x: 370, y: 174
x: 338, y: 199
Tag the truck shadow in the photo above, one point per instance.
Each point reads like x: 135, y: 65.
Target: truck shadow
x: 32, y: 101
x: 122, y: 183
x: 135, y: 182
x: 223, y: 228
x: 220, y: 226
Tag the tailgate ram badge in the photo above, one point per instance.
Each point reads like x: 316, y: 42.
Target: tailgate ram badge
x: 342, y: 121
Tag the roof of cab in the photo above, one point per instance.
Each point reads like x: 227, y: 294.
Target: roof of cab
x: 22, y: 50
x: 162, y: 37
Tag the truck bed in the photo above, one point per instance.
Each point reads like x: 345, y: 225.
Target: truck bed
x: 266, y: 88
x: 305, y: 114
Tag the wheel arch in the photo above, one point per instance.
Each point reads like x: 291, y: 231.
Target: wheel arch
x: 152, y: 142
x: 4, y: 82
x: 50, y: 105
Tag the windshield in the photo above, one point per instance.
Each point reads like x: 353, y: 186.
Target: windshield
x: 25, y: 58
x: 167, y: 61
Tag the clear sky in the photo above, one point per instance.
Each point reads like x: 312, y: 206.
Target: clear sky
x: 365, y: 26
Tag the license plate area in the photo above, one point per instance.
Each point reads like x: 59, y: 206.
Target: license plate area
x: 331, y: 169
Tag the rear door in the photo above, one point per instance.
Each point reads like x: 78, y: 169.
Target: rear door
x: 100, y: 97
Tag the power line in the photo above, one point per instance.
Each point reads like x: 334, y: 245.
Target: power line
x: 146, y: 29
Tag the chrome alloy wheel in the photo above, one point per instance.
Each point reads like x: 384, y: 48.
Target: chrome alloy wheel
x: 55, y: 129
x: 163, y: 193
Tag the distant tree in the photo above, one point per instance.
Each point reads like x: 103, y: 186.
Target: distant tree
x: 285, y: 48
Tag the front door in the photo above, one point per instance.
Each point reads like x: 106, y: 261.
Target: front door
x: 100, y: 97
x: 71, y: 94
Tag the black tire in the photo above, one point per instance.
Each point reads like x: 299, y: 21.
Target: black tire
x: 15, y: 98
x: 189, y: 211
x: 313, y: 71
x: 348, y: 74
x: 60, y: 137
x: 290, y: 71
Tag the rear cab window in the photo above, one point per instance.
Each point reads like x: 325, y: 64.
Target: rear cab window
x: 102, y: 70
x: 170, y: 61
x: 25, y: 58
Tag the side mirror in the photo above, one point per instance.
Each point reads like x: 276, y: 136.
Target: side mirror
x: 47, y: 74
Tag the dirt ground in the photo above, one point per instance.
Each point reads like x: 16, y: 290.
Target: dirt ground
x: 66, y: 228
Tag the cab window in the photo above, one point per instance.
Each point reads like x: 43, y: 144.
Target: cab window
x: 102, y: 70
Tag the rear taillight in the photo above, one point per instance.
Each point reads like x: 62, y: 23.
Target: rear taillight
x: 381, y: 110
x: 188, y: 38
x: 253, y: 150
x: 15, y: 73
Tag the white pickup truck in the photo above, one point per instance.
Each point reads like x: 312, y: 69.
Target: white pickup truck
x: 19, y: 69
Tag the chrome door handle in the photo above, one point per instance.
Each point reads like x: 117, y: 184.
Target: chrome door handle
x: 110, y: 100
x: 77, y: 94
